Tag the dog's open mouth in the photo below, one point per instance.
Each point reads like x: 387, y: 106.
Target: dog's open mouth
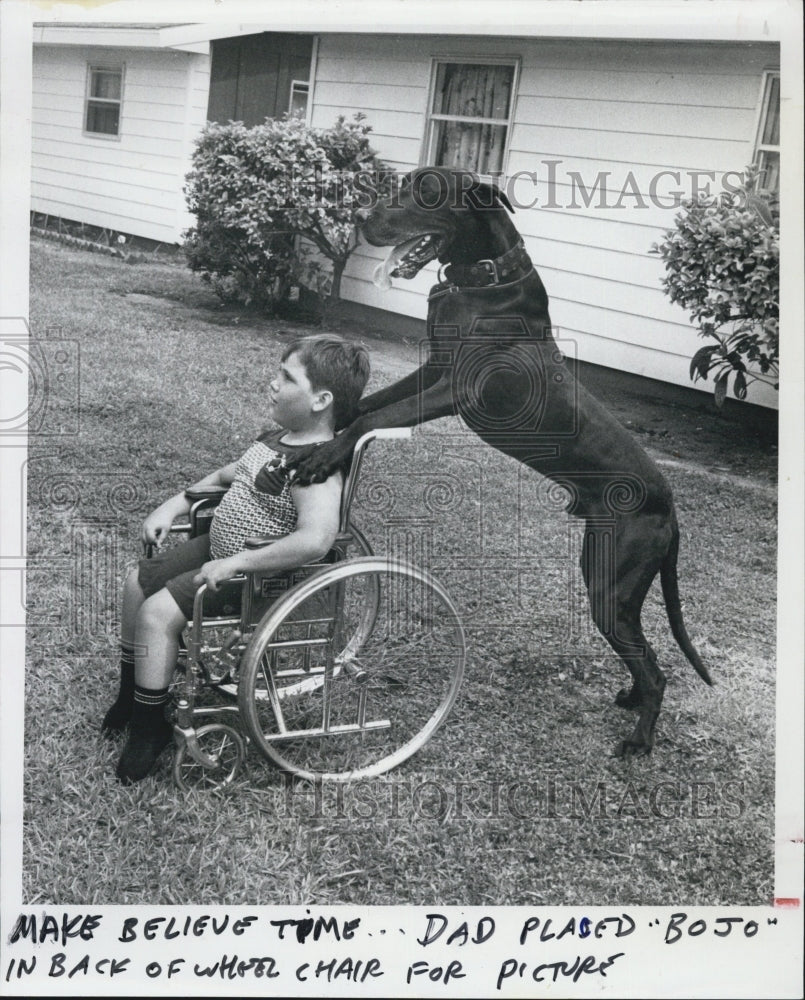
x: 406, y: 259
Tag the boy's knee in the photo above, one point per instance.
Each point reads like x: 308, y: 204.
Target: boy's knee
x: 132, y: 582
x: 160, y: 612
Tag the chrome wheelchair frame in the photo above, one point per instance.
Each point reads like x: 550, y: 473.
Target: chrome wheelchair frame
x: 339, y: 670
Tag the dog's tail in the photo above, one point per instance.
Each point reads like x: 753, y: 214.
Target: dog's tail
x: 670, y: 592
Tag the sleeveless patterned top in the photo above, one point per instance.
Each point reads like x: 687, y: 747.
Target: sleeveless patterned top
x: 258, y: 502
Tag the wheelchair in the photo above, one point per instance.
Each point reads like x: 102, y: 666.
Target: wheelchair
x: 337, y: 671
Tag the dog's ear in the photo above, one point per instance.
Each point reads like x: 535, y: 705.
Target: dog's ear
x: 483, y: 195
x: 503, y: 198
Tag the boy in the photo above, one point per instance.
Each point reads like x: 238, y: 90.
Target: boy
x: 320, y: 381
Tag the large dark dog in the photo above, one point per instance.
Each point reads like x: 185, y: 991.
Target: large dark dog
x: 494, y: 361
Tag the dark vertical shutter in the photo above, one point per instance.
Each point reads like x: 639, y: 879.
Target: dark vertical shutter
x: 251, y: 76
x: 224, y: 80
x: 259, y: 78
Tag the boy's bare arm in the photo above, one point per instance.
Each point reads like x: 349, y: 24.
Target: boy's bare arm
x: 224, y: 476
x: 318, y: 515
x: 157, y: 525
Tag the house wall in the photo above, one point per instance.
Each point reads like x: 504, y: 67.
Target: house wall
x: 592, y: 106
x: 132, y: 183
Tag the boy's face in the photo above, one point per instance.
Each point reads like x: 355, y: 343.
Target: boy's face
x: 294, y: 403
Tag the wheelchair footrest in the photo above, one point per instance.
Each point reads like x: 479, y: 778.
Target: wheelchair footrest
x: 202, y: 710
x: 352, y: 727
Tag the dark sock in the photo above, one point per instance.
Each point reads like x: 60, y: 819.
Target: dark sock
x: 119, y: 714
x: 149, y: 734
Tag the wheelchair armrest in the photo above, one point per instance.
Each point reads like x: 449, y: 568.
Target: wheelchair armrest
x: 259, y: 541
x: 203, y: 501
x: 194, y: 493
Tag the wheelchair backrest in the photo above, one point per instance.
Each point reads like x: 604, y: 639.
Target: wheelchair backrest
x: 204, y: 499
x: 351, y: 482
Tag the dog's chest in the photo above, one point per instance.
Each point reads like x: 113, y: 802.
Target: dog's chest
x: 508, y: 374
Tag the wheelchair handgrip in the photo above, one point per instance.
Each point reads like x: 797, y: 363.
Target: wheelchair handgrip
x: 205, y: 492
x: 389, y: 433
x: 380, y: 434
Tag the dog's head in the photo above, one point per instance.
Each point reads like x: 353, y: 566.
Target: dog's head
x: 439, y: 213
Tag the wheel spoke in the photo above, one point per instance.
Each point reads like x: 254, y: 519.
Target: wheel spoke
x: 373, y: 694
x: 219, y: 742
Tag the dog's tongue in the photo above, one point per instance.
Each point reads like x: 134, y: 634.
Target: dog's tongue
x: 382, y: 273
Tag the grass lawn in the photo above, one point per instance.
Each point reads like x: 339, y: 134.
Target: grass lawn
x: 518, y: 799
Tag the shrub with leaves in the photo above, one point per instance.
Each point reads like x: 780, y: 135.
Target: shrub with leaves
x: 722, y: 262
x: 255, y: 191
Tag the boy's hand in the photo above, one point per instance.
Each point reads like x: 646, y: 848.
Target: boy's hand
x: 156, y: 528
x: 216, y: 572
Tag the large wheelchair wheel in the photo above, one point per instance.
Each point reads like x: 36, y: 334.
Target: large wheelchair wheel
x: 328, y: 692
x: 365, y: 622
x: 362, y: 624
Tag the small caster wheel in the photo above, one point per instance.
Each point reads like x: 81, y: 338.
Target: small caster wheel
x: 221, y: 744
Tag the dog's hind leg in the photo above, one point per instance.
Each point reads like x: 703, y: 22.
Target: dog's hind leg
x: 620, y: 559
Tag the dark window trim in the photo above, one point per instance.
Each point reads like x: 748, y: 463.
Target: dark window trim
x: 103, y: 68
x: 431, y: 117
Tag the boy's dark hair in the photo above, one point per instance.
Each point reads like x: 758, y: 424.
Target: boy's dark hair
x: 335, y: 364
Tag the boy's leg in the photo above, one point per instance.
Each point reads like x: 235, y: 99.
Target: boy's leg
x: 159, y: 623
x: 133, y: 598
x: 146, y: 580
x: 118, y: 715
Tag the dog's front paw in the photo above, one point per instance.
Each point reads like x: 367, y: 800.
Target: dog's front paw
x: 632, y: 748
x: 317, y: 462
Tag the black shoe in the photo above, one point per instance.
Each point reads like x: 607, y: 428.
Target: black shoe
x: 117, y: 718
x: 141, y: 752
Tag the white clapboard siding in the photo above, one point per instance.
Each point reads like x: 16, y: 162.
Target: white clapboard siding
x: 106, y: 156
x: 689, y: 153
x: 564, y: 283
x: 195, y: 120
x: 133, y: 127
x: 667, y: 88
x: 132, y: 182
x: 604, y: 230
x: 640, y: 117
x: 108, y: 213
x: 145, y: 146
x: 579, y: 183
x: 61, y: 107
x: 608, y: 111
x: 107, y: 189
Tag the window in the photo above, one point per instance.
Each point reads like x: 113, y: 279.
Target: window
x: 297, y: 105
x: 104, y: 93
x: 470, y: 115
x: 767, y: 149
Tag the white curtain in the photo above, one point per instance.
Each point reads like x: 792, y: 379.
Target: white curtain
x: 472, y: 91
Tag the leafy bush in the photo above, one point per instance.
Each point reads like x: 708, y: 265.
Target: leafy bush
x: 722, y: 262
x: 256, y: 191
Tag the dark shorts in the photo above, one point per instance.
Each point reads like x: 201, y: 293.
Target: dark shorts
x: 174, y: 569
